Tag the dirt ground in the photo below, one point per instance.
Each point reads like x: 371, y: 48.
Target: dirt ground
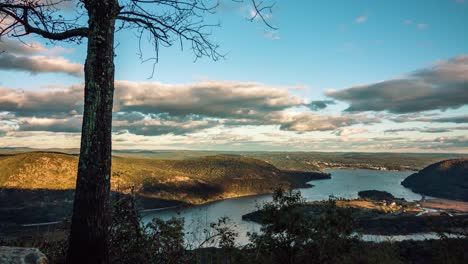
x: 446, y: 205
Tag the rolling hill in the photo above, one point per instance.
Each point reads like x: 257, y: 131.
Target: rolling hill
x: 446, y: 179
x: 46, y: 180
x: 193, y: 180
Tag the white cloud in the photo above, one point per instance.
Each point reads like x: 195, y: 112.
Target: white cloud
x: 71, y: 124
x: 208, y: 98
x: 291, y: 120
x: 417, y: 25
x: 40, y: 64
x: 152, y: 108
x: 35, y: 58
x: 273, y: 35
x: 350, y: 131
x: 443, y: 86
x: 32, y: 48
x: 42, y: 103
x: 361, y: 19
x: 421, y: 26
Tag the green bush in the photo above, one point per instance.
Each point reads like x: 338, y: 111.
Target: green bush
x: 288, y: 235
x: 158, y: 242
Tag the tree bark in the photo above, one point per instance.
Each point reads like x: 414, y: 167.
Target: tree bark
x: 91, y: 210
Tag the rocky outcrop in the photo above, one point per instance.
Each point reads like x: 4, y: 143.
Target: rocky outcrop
x: 19, y: 255
x: 446, y: 179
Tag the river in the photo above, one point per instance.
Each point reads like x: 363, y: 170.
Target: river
x: 343, y: 183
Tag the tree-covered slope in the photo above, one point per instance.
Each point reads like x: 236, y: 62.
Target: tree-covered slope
x: 193, y: 181
x: 445, y: 179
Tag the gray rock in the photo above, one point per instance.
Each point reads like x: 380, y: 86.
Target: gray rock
x: 19, y: 255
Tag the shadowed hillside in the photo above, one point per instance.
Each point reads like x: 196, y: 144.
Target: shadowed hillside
x: 45, y: 180
x: 193, y: 181
x: 445, y: 179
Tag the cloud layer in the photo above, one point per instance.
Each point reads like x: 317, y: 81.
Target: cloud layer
x: 42, y: 103
x: 243, y: 114
x: 211, y: 98
x: 444, y: 86
x: 35, y: 58
x: 151, y: 108
x: 426, y: 129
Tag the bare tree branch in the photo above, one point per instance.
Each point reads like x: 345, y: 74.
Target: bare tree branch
x: 41, y: 17
x: 161, y: 23
x: 260, y: 9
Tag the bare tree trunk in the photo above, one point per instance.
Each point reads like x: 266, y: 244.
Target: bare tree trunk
x: 91, y: 211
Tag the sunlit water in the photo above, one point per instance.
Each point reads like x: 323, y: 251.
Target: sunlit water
x: 344, y: 183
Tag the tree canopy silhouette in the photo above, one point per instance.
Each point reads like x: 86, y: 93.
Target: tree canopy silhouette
x: 161, y: 22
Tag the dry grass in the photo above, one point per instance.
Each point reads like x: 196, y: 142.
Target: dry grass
x: 446, y: 205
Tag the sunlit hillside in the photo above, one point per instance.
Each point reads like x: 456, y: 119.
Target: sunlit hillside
x: 194, y: 180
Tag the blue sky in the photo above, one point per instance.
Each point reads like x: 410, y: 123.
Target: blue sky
x: 320, y: 46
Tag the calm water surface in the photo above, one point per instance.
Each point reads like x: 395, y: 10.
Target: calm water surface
x: 344, y: 183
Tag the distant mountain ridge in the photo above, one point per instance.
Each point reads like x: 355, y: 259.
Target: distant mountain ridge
x: 286, y: 160
x: 446, y: 179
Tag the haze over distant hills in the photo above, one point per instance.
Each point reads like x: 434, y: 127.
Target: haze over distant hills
x: 310, y: 161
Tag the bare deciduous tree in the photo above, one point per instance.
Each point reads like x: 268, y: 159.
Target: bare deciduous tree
x: 163, y: 23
